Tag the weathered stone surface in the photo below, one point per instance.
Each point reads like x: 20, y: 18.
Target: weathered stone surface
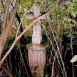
x: 37, y: 58
x: 37, y: 52
x: 38, y: 47
x: 36, y: 37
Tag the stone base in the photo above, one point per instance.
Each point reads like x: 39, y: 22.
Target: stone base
x: 37, y: 58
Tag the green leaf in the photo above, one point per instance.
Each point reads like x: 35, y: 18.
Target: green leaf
x: 23, y: 1
x: 46, y: 75
x: 50, y: 63
x: 74, y: 0
x: 74, y: 59
x: 73, y: 13
x: 75, y: 65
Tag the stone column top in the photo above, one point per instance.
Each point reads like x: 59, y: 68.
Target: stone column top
x: 36, y: 47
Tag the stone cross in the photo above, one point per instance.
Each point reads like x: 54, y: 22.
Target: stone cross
x: 36, y: 51
x: 36, y: 37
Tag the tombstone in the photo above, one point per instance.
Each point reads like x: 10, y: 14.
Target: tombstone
x: 36, y: 51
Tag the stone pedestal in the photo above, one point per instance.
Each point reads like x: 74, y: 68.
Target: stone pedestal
x: 37, y: 59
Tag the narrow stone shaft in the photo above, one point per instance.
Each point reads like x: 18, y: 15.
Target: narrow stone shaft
x: 36, y: 37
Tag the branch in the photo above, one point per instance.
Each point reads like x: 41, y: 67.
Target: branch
x: 36, y: 20
x: 13, y: 16
x: 7, y: 72
x: 6, y: 14
x: 2, y: 41
x: 5, y: 30
x: 57, y: 6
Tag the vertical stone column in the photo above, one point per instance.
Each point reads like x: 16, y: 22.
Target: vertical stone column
x: 36, y: 37
x: 36, y: 51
